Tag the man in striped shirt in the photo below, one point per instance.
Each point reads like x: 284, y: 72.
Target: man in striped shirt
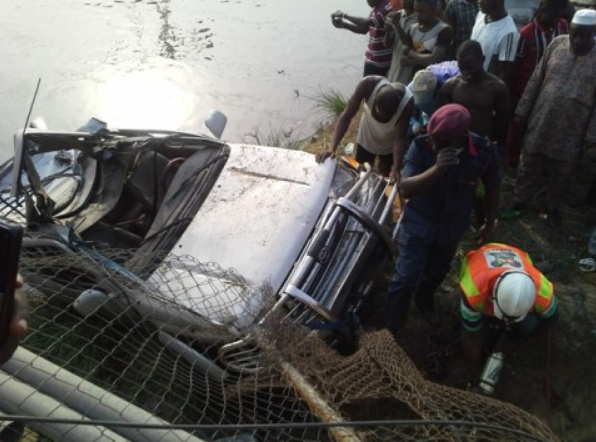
x: 377, y: 58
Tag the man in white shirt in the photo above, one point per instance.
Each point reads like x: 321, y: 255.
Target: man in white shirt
x: 498, y: 36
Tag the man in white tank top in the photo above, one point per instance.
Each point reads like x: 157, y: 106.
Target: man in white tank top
x: 384, y: 125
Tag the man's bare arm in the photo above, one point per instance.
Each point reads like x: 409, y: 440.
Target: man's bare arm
x: 358, y: 25
x: 401, y: 138
x: 438, y: 54
x: 362, y: 92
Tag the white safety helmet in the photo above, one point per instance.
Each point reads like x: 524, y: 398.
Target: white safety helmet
x: 513, y: 295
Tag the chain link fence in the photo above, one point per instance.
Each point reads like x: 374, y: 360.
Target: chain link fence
x: 110, y: 357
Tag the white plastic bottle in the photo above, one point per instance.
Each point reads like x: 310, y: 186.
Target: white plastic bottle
x: 349, y: 149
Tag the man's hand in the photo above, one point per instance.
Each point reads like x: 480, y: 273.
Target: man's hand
x: 447, y: 157
x: 419, y: 130
x: 18, y: 325
x: 407, y: 59
x: 337, y: 19
x: 337, y: 22
x: 392, y: 20
x: 394, y: 176
x: 322, y: 156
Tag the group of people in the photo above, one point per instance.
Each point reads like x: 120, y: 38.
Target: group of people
x: 524, y: 75
x: 518, y: 99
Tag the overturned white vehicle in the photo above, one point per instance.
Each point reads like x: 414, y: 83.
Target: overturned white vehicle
x: 303, y: 238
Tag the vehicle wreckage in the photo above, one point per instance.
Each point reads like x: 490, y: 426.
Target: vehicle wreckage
x: 304, y: 239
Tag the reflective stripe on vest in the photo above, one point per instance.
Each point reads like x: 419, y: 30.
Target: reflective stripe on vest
x: 468, y: 286
x: 545, y: 295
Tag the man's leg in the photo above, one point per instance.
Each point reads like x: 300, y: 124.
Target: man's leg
x: 529, y: 176
x: 413, y: 253
x: 437, y: 266
x: 559, y: 182
x: 364, y: 156
x: 385, y: 164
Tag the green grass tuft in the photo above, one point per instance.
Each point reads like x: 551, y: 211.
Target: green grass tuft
x: 329, y: 102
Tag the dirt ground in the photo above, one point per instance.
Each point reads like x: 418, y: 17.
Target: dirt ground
x: 553, y: 377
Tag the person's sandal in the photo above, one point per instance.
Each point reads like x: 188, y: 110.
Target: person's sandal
x: 587, y: 265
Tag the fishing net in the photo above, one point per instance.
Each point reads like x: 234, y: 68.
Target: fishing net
x: 137, y: 360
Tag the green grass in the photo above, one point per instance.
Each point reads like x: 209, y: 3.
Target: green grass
x: 330, y: 102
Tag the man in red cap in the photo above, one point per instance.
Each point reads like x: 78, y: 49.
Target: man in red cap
x: 441, y: 172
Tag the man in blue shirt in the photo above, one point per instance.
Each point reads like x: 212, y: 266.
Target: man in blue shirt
x: 441, y: 172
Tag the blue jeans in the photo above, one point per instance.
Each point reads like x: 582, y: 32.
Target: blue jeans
x: 421, y: 267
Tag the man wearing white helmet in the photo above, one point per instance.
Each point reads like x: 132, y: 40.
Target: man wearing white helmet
x: 502, y: 293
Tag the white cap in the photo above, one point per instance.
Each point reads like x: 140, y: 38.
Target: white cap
x: 423, y: 86
x: 514, y: 295
x: 584, y: 17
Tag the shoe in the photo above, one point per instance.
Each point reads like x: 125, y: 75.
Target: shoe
x: 554, y: 218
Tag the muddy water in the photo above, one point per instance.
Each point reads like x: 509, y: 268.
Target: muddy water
x: 166, y: 63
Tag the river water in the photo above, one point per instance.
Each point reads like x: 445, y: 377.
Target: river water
x: 165, y: 63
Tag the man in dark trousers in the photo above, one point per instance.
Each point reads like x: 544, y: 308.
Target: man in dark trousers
x: 441, y: 172
x: 377, y: 58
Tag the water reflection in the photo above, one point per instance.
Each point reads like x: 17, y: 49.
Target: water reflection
x: 166, y: 63
x: 157, y: 93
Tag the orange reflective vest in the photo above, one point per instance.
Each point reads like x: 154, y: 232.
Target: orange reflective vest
x: 481, y: 269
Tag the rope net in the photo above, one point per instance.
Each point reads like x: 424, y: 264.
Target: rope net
x: 106, y: 346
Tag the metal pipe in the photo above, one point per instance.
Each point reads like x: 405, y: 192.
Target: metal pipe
x: 84, y: 397
x: 19, y: 398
